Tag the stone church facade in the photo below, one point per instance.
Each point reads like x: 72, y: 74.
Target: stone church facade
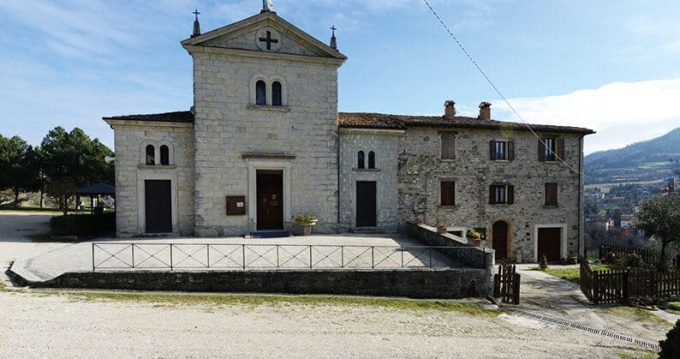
x: 264, y: 142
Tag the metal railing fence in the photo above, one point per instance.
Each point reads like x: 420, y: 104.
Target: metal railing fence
x: 191, y: 256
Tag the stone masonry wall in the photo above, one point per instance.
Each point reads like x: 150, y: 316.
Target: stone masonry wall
x: 131, y: 171
x: 227, y: 126
x: 421, y: 169
x: 448, y: 283
x: 385, y: 144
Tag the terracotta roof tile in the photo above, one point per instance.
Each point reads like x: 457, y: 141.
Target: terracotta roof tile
x: 386, y: 121
x: 178, y: 117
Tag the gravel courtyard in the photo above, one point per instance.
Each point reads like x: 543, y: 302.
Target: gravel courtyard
x: 38, y: 325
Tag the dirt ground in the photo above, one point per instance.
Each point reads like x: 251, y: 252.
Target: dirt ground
x: 38, y: 325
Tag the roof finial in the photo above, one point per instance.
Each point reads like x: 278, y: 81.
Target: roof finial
x: 267, y: 6
x: 197, y: 25
x: 334, y: 41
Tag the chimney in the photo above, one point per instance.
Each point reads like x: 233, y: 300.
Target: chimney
x: 449, y: 110
x: 485, y: 111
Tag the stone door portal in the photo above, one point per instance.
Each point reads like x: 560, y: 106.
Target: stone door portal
x: 158, y: 206
x: 500, y: 240
x: 549, y: 240
x: 366, y: 204
x: 269, y: 200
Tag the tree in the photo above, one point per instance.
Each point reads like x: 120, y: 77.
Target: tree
x: 670, y: 347
x: 74, y: 161
x: 15, y: 166
x: 659, y: 217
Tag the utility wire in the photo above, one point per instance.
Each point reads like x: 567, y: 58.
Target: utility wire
x: 498, y: 91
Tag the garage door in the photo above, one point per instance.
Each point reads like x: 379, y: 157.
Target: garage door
x: 549, y: 241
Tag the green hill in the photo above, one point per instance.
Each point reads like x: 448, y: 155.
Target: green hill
x: 651, y: 160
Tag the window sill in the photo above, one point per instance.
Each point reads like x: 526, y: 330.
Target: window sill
x: 448, y: 159
x: 501, y: 161
x: 366, y: 169
x: 269, y: 108
x: 551, y: 206
x: 157, y: 167
x: 500, y: 204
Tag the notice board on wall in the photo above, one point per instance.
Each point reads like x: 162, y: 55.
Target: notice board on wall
x: 236, y: 205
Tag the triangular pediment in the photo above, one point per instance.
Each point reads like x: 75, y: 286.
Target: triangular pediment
x: 266, y: 33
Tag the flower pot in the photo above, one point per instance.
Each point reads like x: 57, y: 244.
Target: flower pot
x: 475, y: 242
x: 307, y: 229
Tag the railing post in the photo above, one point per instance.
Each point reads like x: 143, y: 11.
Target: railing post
x: 277, y: 257
x: 93, y: 264
x: 171, y: 266
x: 430, y: 257
x: 310, y: 256
x: 372, y: 257
x: 207, y: 251
x: 133, y: 256
x: 402, y: 256
x: 342, y: 256
x: 243, y: 248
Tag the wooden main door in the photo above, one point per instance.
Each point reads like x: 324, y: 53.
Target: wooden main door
x: 158, y: 206
x: 269, y: 200
x: 549, y: 243
x: 500, y: 240
x: 366, y: 204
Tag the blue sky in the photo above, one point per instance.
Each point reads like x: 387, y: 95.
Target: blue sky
x: 613, y: 66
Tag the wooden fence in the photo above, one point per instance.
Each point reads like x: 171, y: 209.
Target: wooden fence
x: 506, y: 284
x: 624, y: 286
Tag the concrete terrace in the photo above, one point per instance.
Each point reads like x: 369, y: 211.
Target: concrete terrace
x: 78, y: 257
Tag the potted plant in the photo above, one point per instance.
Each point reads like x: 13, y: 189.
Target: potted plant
x: 474, y: 238
x: 307, y: 221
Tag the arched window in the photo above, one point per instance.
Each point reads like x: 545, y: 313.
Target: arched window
x: 371, y: 159
x: 261, y: 93
x: 361, y: 160
x: 165, y: 155
x: 150, y: 155
x: 277, y: 94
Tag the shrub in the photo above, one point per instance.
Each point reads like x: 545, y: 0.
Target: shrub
x: 78, y: 225
x: 670, y: 347
x: 631, y: 260
x: 472, y: 234
x: 543, y: 262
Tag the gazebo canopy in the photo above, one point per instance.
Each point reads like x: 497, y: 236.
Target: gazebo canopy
x: 101, y: 189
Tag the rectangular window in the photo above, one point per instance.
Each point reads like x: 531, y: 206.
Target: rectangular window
x: 551, y: 149
x: 501, y: 194
x: 448, y: 145
x: 448, y: 193
x: 551, y: 194
x: 502, y: 150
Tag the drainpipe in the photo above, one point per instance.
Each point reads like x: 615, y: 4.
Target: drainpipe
x: 580, y: 199
x: 337, y: 134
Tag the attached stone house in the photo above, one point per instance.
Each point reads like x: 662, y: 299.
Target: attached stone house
x: 264, y: 143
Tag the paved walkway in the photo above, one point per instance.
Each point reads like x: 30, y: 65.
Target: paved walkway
x: 228, y: 253
x: 554, y: 297
x: 15, y: 231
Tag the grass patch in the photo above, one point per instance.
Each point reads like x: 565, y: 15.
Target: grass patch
x: 258, y: 300
x: 570, y: 274
x: 674, y: 306
x: 637, y: 354
x: 636, y: 314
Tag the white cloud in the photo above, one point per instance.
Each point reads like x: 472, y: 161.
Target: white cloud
x: 621, y: 113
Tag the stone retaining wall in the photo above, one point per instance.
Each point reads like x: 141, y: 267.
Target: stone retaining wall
x: 448, y: 283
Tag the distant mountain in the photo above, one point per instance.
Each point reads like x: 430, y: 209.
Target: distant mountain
x: 651, y: 160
